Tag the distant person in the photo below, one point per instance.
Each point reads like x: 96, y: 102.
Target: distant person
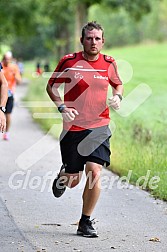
x: 84, y: 141
x: 20, y: 66
x: 13, y: 77
x: 3, y: 100
x: 46, y: 67
x: 38, y: 68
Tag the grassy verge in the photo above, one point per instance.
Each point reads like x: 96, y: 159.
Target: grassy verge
x: 139, y: 142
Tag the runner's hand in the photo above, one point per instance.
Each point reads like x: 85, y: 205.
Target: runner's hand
x: 69, y: 114
x: 2, y: 122
x: 114, y: 102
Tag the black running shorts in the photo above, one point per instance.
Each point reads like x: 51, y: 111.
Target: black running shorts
x: 79, y: 147
x: 9, y: 105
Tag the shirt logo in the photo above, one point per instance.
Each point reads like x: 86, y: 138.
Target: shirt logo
x: 100, y: 77
x: 78, y: 75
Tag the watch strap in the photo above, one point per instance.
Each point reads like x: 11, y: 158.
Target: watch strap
x: 120, y: 96
x: 3, y: 109
x: 61, y: 108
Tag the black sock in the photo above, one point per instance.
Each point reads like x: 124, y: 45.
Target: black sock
x: 84, y: 218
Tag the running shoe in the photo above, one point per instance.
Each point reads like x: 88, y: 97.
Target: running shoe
x: 58, y: 188
x: 86, y: 229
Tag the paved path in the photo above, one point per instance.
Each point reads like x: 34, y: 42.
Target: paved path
x: 33, y: 220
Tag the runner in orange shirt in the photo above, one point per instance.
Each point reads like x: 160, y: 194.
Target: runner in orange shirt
x: 3, y: 100
x: 13, y: 77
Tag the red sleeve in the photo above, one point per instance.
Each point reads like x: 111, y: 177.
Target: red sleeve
x: 59, y: 75
x: 55, y: 77
x: 113, y: 72
x: 113, y: 75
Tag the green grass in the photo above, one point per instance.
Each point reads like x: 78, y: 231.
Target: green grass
x: 139, y: 141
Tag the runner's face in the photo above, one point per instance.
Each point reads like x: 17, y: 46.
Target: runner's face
x: 6, y: 60
x: 93, y: 42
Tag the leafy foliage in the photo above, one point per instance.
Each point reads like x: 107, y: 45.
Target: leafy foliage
x: 17, y: 18
x: 35, y: 28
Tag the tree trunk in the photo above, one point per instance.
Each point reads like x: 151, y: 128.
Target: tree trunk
x: 63, y: 41
x: 81, y: 14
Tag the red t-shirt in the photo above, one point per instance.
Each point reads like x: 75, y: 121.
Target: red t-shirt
x: 86, y: 86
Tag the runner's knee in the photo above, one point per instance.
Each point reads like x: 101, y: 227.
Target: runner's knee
x: 93, y: 172
x: 73, y: 180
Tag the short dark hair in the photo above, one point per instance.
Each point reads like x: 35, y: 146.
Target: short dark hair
x: 90, y: 26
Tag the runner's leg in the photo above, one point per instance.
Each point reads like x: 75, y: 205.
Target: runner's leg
x: 92, y: 188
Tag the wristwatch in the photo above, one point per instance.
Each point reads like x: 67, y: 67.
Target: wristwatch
x: 61, y: 108
x: 3, y: 109
x: 120, y: 96
x: 1, y: 66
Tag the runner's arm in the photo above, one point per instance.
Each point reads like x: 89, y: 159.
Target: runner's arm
x: 3, y: 100
x: 17, y: 76
x: 68, y: 114
x: 117, y: 87
x: 3, y: 90
x: 54, y: 94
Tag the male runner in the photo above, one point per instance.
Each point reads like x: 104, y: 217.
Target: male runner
x: 85, y: 137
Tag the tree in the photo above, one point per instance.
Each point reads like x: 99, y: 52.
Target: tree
x: 16, y: 18
x: 81, y: 17
x: 135, y: 8
x: 54, y: 25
